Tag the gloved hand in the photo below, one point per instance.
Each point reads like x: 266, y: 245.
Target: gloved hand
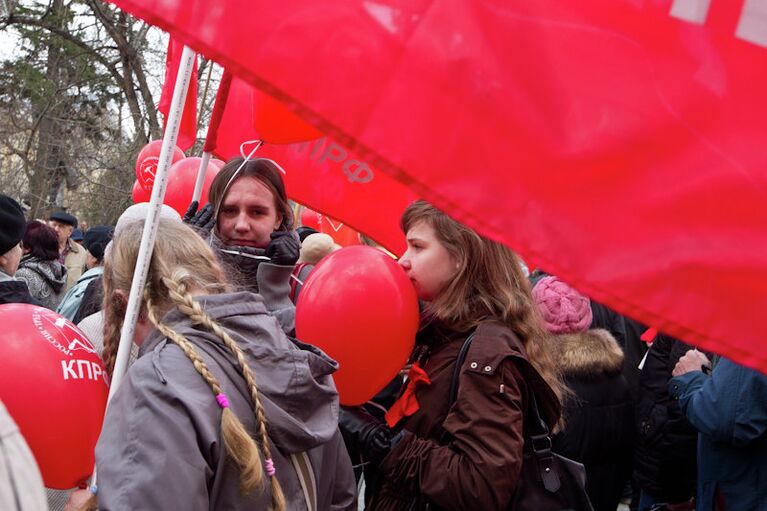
x: 201, y: 221
x: 284, y: 248
x: 372, y: 437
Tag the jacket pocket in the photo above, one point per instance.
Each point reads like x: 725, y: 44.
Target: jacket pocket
x: 651, y: 425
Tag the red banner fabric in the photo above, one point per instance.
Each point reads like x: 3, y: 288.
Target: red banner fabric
x: 330, y: 179
x: 211, y: 137
x: 615, y: 144
x: 187, y: 134
x: 321, y: 174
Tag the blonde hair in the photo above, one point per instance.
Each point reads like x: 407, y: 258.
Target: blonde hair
x: 182, y: 262
x: 489, y: 284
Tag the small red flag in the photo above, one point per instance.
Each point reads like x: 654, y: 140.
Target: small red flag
x: 187, y: 134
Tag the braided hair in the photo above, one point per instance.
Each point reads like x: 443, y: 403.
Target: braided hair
x: 181, y: 264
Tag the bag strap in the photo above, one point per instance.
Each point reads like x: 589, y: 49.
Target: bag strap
x: 537, y: 437
x: 457, y: 369
x: 537, y: 424
x: 303, y: 466
x: 538, y: 427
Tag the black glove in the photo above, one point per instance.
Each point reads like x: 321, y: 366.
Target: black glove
x: 284, y: 248
x: 370, y: 436
x: 201, y: 221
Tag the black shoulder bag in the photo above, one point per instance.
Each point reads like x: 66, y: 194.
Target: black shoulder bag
x: 548, y: 481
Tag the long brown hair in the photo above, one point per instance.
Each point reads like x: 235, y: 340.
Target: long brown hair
x: 489, y: 284
x: 263, y: 169
x: 183, y: 263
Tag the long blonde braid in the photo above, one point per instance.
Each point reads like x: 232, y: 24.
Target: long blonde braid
x: 239, y: 445
x: 182, y: 261
x: 179, y: 295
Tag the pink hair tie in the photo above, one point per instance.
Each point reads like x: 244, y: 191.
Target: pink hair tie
x: 270, y: 471
x: 223, y: 401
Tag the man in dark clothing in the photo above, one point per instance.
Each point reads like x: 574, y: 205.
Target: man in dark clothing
x: 13, y: 226
x: 664, y: 465
x: 627, y: 332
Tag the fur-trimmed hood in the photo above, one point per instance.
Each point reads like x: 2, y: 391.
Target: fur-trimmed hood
x: 588, y: 354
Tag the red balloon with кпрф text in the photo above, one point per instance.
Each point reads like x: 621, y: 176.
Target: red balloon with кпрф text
x: 53, y: 383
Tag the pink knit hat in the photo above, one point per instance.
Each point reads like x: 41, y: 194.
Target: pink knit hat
x: 564, y: 310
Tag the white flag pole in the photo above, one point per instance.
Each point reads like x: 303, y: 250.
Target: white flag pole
x: 201, y: 176
x: 150, y: 226
x: 152, y: 219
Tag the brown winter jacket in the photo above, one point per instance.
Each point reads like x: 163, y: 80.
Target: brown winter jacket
x: 480, y: 467
x: 161, y: 445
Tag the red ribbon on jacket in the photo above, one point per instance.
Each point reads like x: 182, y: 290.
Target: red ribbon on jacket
x: 407, y: 404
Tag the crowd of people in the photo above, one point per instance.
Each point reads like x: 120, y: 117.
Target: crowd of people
x: 520, y: 393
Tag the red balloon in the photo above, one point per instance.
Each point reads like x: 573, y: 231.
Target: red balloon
x: 310, y: 218
x: 276, y: 124
x: 55, y: 388
x: 361, y: 309
x: 218, y: 163
x: 139, y: 194
x: 147, y: 160
x: 181, y: 179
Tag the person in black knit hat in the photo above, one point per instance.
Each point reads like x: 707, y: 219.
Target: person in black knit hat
x: 13, y: 225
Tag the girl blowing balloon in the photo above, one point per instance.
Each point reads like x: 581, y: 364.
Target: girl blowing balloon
x: 466, y: 455
x: 221, y: 410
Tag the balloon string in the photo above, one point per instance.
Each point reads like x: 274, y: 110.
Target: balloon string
x: 296, y: 279
x: 247, y: 158
x: 258, y: 143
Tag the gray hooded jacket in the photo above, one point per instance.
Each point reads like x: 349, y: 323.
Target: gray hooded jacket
x: 161, y: 445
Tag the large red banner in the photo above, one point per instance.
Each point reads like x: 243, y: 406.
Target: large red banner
x: 616, y: 144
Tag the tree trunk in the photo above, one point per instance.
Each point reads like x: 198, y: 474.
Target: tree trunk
x: 49, y: 158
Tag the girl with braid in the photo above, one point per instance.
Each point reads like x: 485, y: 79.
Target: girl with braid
x: 221, y: 410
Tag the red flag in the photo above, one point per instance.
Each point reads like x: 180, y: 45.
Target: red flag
x: 616, y: 144
x: 187, y: 134
x: 321, y: 174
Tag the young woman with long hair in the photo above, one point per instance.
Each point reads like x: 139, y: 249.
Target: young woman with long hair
x: 221, y: 410
x: 249, y: 224
x: 468, y: 454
